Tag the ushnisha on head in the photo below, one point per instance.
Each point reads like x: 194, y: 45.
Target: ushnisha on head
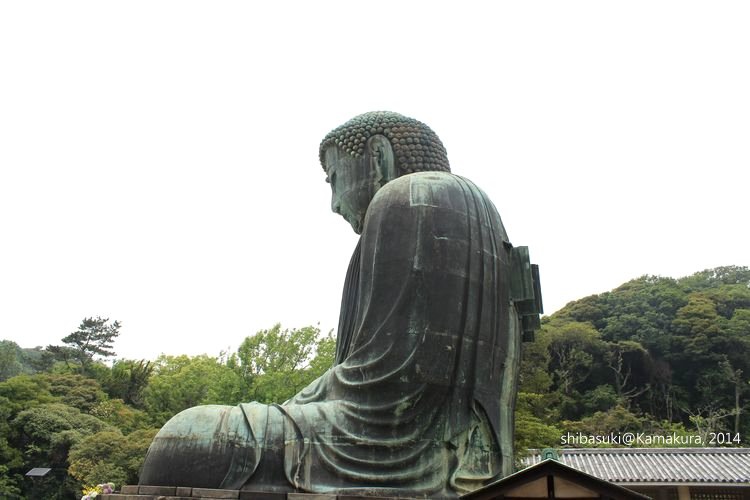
x: 362, y: 155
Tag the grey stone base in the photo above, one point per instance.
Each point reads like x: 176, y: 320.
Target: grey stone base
x: 136, y: 492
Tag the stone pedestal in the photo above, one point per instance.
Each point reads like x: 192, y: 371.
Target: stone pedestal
x: 136, y: 492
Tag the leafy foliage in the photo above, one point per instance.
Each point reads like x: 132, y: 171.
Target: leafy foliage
x: 118, y: 414
x: 10, y: 363
x: 44, y: 434
x: 653, y: 354
x: 10, y: 457
x: 531, y: 429
x: 180, y: 382
x: 74, y: 389
x: 275, y: 364
x: 110, y: 454
x: 9, y: 483
x: 25, y: 391
x: 50, y: 429
x: 127, y: 380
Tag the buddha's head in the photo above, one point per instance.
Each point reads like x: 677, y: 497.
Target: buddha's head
x: 363, y: 154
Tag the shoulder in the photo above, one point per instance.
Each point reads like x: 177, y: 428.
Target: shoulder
x: 432, y: 189
x: 422, y: 178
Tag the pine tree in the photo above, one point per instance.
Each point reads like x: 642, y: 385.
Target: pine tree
x: 93, y: 337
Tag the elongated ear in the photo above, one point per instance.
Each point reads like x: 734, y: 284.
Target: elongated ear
x: 381, y: 159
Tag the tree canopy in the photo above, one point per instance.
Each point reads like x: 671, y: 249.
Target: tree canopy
x: 94, y: 337
x: 656, y: 353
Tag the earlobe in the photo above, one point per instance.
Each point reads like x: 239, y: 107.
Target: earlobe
x: 381, y: 158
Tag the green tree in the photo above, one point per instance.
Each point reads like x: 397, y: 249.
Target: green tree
x: 47, y: 431
x: 276, y: 364
x: 10, y: 364
x: 25, y: 391
x: 94, y: 337
x: 594, y: 309
x: 37, y: 359
x: 118, y: 414
x: 325, y: 354
x: 573, y: 347
x: 181, y: 382
x: 532, y: 430
x: 716, y: 277
x: 45, y: 434
x: 614, y: 420
x: 74, y: 389
x: 642, y: 310
x: 710, y: 358
x: 696, y: 320
x: 127, y: 380
x: 10, y: 457
x: 738, y: 329
x: 601, y: 398
x: 110, y: 456
x: 9, y: 483
x: 534, y: 372
x: 628, y: 361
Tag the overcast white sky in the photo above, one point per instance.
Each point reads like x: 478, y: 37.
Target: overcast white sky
x: 159, y: 160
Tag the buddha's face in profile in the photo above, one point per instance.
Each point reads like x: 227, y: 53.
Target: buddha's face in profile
x: 354, y: 182
x: 352, y: 185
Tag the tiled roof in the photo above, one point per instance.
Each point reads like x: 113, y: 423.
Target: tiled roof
x: 658, y: 465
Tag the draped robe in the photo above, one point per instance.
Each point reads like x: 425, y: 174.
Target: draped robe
x: 420, y: 399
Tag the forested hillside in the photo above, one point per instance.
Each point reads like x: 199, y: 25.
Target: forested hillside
x: 656, y: 355
x: 659, y: 356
